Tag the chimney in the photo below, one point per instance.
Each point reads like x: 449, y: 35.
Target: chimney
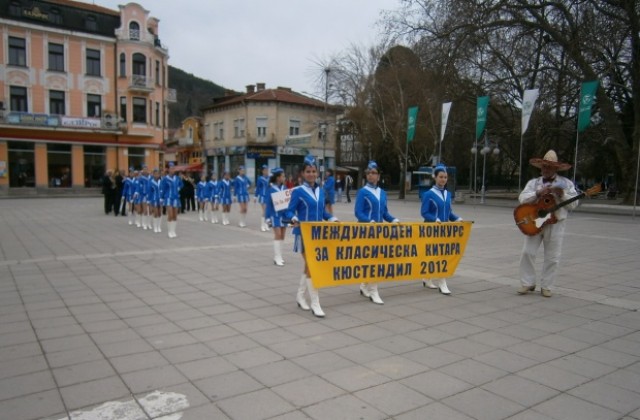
x: 288, y: 89
x: 260, y: 86
x: 251, y: 88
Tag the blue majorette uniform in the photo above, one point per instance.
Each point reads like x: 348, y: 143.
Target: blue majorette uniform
x: 211, y: 191
x: 270, y: 211
x: 371, y: 205
x: 330, y: 189
x: 306, y: 205
x: 137, y: 190
x: 241, y: 188
x: 201, y: 188
x: 127, y: 190
x: 262, y: 190
x: 153, y: 198
x: 145, y: 187
x: 224, y: 192
x: 436, y: 206
x: 170, y: 187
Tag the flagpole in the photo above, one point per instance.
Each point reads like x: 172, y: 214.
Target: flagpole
x: 575, y: 166
x: 406, y: 167
x: 520, y: 167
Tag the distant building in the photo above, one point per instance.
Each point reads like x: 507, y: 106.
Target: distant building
x: 186, y: 146
x: 274, y: 127
x: 83, y: 89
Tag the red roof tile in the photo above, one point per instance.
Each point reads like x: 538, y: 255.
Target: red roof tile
x: 267, y: 95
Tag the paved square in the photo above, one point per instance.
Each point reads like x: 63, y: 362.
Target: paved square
x: 99, y: 318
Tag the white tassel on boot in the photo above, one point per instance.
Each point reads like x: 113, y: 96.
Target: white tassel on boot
x: 277, y: 253
x: 373, y: 294
x: 442, y: 286
x: 314, y: 297
x: 300, y: 299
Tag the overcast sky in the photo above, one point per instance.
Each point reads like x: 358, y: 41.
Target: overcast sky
x: 279, y: 42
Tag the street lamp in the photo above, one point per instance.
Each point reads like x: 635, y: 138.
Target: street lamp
x: 488, y: 148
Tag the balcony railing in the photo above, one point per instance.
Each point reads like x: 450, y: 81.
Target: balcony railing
x: 29, y: 120
x: 141, y: 82
x: 172, y: 95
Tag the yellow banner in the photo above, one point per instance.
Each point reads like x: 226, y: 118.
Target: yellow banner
x: 339, y: 253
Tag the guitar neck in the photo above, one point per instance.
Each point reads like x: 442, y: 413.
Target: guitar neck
x: 564, y: 203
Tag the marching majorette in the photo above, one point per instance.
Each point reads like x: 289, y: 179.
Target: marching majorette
x: 144, y: 192
x: 224, y: 195
x: 371, y: 207
x: 436, y: 207
x: 307, y: 205
x: 154, y: 201
x: 211, y: 192
x: 241, y: 186
x: 170, y: 187
x: 202, y: 199
x: 261, y: 196
x: 137, y: 198
x: 127, y: 194
x: 275, y: 217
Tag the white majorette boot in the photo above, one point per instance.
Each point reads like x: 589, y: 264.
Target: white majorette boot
x: 200, y: 215
x: 214, y: 216
x: 130, y: 217
x: 364, y: 290
x: 160, y: 224
x: 138, y: 224
x: 315, y: 299
x: 243, y: 217
x: 155, y: 225
x: 373, y: 294
x: 277, y: 253
x: 429, y: 283
x: 262, y: 225
x: 442, y: 286
x: 169, y: 234
x: 225, y: 219
x: 300, y: 299
x: 206, y: 212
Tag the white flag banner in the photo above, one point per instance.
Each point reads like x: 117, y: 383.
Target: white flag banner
x: 528, y: 102
x: 446, y: 107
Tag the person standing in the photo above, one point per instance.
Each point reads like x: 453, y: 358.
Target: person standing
x: 224, y: 194
x: 144, y: 192
x: 262, y: 190
x: 241, y: 186
x: 339, y: 188
x: 348, y: 183
x: 329, y: 187
x: 275, y: 217
x: 436, y: 208
x: 307, y: 204
x: 201, y: 198
x: 371, y: 207
x: 170, y: 196
x: 117, y: 192
x: 559, y: 188
x: 153, y: 199
x: 212, y: 197
x: 107, y: 191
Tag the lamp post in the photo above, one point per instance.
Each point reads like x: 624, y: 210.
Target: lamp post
x: 327, y: 70
x: 488, y: 148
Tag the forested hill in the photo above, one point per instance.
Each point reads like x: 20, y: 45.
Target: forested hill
x: 193, y: 93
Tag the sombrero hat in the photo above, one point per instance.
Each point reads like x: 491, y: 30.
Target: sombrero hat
x: 549, y: 159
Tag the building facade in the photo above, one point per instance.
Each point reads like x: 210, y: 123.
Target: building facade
x: 187, y: 146
x: 83, y: 89
x: 275, y: 127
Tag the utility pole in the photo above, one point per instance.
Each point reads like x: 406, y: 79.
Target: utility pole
x: 327, y: 70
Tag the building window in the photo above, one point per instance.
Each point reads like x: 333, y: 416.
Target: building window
x: 123, y: 108
x: 56, y: 57
x: 55, y: 16
x: 17, y: 51
x: 158, y: 80
x: 15, y: 9
x: 21, y: 164
x: 136, y: 157
x: 93, y: 62
x: 90, y: 23
x: 134, y: 31
x: 94, y: 105
x: 139, y: 110
x: 294, y: 127
x: 59, y: 161
x: 238, y: 128
x: 123, y: 65
x: 261, y: 127
x: 218, y: 131
x: 56, y: 102
x: 95, y: 165
x: 18, y: 100
x: 157, y: 114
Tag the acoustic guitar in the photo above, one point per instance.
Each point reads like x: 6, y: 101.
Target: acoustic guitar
x: 532, y: 217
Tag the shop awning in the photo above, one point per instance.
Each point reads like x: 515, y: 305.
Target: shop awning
x: 194, y: 167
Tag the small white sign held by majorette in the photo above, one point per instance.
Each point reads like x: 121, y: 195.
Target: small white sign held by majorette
x: 281, y: 199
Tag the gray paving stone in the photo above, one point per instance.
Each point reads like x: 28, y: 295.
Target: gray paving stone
x: 204, y: 368
x: 571, y: 408
x: 393, y: 398
x: 436, y: 385
x: 322, y: 362
x: 187, y: 353
x: 153, y: 378
x: 553, y: 377
x: 94, y: 392
x: 482, y: 405
x: 435, y: 410
x: 17, y: 386
x: 519, y: 390
x: 278, y: 373
x: 307, y: 391
x: 355, y: 378
x: 609, y: 396
x: 345, y: 407
x: 227, y: 385
x: 257, y: 405
x: 22, y: 366
x: 138, y: 361
x: 33, y: 406
x: 83, y: 372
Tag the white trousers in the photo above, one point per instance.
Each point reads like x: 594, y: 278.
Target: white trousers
x: 551, y: 239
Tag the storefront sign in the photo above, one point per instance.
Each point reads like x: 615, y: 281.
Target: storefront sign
x: 81, y: 122
x: 20, y: 118
x: 285, y: 150
x: 256, y: 152
x: 296, y: 140
x: 350, y: 253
